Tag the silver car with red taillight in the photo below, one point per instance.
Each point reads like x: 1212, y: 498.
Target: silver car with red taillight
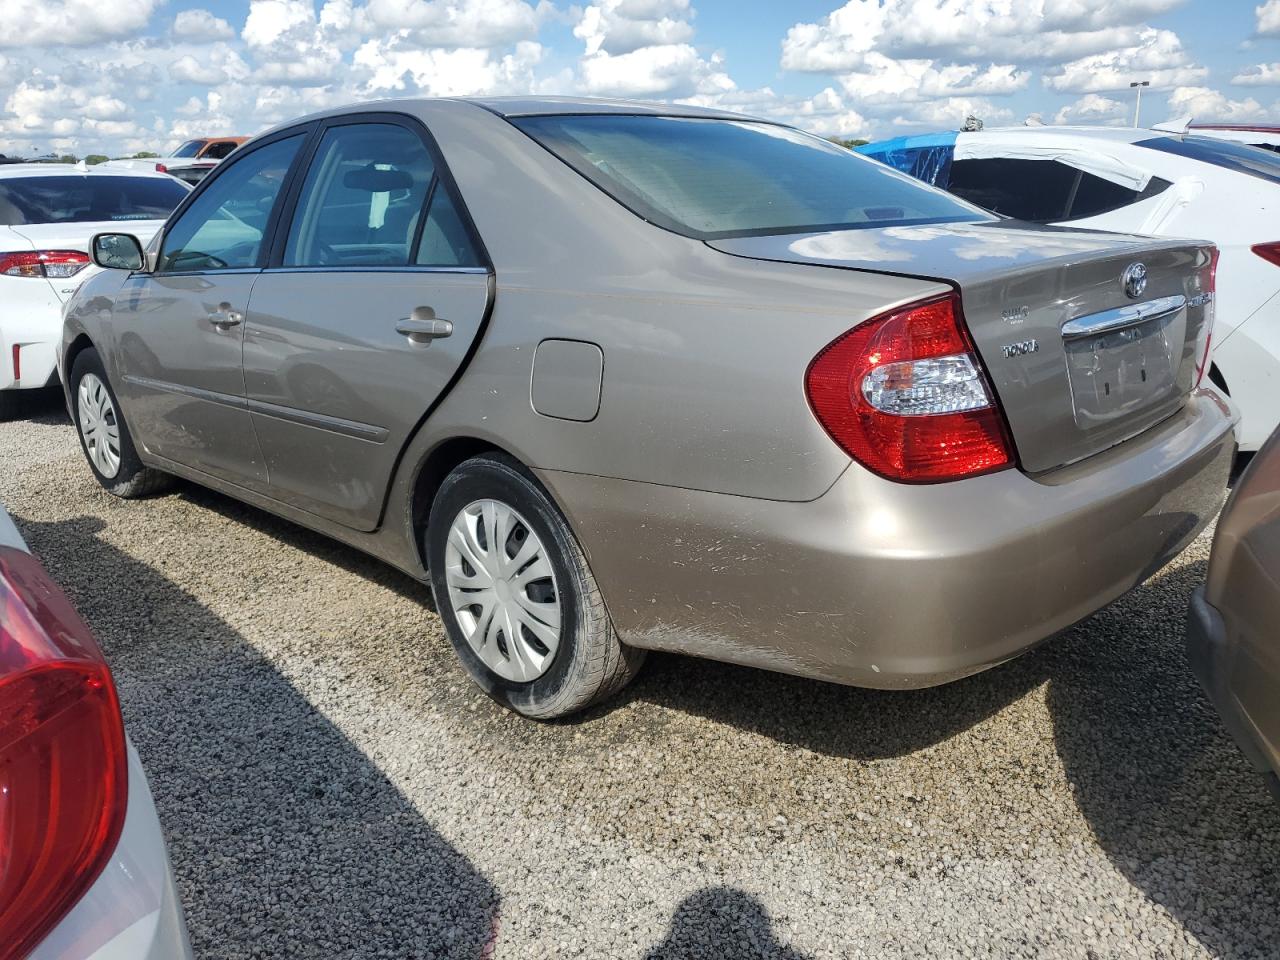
x: 617, y: 377
x: 83, y: 867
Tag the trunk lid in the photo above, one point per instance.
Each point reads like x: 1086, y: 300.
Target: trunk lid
x: 1078, y: 364
x: 77, y: 236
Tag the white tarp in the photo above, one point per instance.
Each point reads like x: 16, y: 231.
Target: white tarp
x: 1031, y: 146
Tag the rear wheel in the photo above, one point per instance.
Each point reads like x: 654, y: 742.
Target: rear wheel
x: 104, y: 436
x: 516, y: 595
x: 10, y: 404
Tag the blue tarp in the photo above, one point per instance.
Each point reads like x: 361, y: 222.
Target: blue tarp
x: 926, y: 156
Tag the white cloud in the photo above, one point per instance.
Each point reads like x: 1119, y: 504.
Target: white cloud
x: 884, y: 80
x: 212, y: 66
x: 1033, y: 30
x: 1158, y: 56
x: 201, y: 26
x: 1207, y: 104
x: 1268, y: 16
x: 623, y: 26
x: 446, y: 73
x: 638, y: 48
x: 1262, y: 75
x: 669, y: 70
x: 1093, y: 109
x: 951, y: 113
x: 290, y: 44
x: 34, y: 23
x: 457, y: 23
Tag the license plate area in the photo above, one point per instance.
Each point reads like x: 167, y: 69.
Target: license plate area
x: 1117, y: 374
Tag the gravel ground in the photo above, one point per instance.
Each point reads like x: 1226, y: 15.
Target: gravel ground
x: 332, y: 786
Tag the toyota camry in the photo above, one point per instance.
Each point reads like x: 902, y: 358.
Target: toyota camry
x: 617, y: 377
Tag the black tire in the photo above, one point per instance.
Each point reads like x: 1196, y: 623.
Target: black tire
x: 132, y: 479
x: 590, y: 663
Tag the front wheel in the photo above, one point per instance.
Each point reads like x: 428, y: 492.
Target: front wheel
x: 516, y: 595
x: 104, y: 436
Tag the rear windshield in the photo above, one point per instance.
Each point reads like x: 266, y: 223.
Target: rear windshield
x: 709, y: 178
x: 72, y: 199
x: 189, y: 149
x: 1240, y: 157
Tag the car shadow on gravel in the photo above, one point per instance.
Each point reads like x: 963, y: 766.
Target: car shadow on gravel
x: 1169, y: 797
x: 285, y: 838
x: 44, y: 405
x: 827, y: 718
x: 721, y: 923
x: 310, y: 542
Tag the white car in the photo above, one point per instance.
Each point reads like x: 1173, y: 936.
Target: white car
x: 190, y: 162
x: 1164, y: 182
x: 84, y: 872
x: 48, y: 214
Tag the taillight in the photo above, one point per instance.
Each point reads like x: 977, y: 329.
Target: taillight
x: 905, y: 395
x: 54, y: 264
x: 1208, y: 297
x: 1268, y: 251
x: 63, y: 767
x: 161, y: 168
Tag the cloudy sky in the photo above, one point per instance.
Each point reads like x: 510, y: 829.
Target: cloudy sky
x: 113, y: 76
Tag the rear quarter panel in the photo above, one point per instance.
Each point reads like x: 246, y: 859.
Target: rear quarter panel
x: 704, y: 353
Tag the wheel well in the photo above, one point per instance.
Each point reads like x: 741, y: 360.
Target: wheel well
x: 78, y: 345
x: 439, y: 463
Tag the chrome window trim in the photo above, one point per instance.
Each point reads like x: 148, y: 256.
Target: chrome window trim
x: 405, y: 268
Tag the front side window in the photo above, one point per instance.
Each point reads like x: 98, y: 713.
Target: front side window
x: 83, y: 199
x: 362, y: 198
x: 224, y: 226
x: 708, y: 178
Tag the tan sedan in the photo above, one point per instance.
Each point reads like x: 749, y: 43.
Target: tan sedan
x: 1234, y: 630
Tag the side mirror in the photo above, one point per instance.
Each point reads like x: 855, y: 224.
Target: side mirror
x: 118, y: 251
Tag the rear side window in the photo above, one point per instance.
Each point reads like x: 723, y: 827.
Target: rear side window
x: 72, y: 199
x: 709, y: 178
x: 445, y: 242
x: 1240, y: 157
x: 362, y: 198
x: 1042, y: 191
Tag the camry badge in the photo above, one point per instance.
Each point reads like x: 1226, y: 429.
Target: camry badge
x: 1134, y: 280
x: 1015, y: 316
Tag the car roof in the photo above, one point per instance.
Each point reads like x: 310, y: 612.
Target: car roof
x: 549, y: 106
x: 72, y: 170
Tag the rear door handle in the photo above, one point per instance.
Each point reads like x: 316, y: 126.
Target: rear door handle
x: 422, y: 330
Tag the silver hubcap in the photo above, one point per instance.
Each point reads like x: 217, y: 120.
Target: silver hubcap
x: 502, y: 590
x: 99, y: 425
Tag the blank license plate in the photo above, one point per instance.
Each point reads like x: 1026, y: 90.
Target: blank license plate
x: 1115, y: 375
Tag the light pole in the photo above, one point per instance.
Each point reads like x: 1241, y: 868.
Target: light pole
x: 1139, y: 84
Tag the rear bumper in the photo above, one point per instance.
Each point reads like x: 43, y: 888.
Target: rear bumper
x: 31, y: 321
x: 1209, y: 652
x: 888, y: 585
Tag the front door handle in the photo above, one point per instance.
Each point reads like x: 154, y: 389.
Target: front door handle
x: 424, y: 326
x: 224, y: 317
